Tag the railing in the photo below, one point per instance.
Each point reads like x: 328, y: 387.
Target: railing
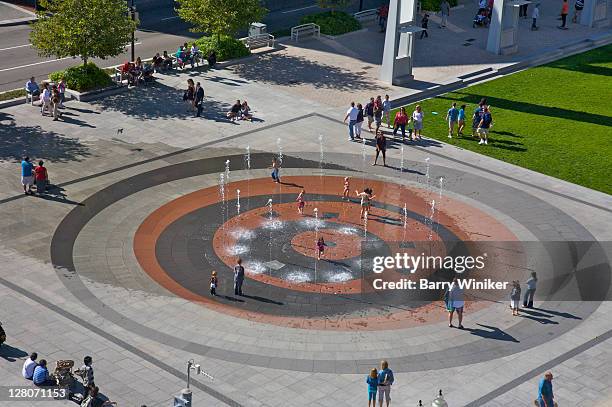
x: 305, y: 30
x: 258, y: 41
x: 366, y: 16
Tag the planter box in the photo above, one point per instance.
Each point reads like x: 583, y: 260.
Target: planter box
x: 95, y: 94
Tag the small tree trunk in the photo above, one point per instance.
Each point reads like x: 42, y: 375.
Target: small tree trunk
x: 84, y: 61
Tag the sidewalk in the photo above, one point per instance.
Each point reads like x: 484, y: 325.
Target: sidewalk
x: 12, y: 14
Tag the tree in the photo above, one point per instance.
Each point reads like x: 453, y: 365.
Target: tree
x: 83, y: 28
x: 334, y: 4
x: 220, y: 17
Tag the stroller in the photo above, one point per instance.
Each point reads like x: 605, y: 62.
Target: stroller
x: 481, y: 19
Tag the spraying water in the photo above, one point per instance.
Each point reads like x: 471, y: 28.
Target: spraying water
x: 280, y: 151
x: 427, y: 173
x: 402, y: 159
x: 321, y: 158
x: 227, y: 171
x: 238, y: 201
x: 222, y: 193
x: 247, y: 157
x: 405, y: 213
x: 365, y: 224
x: 270, y: 215
x: 432, y: 214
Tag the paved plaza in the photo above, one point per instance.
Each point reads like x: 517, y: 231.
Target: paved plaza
x: 115, y: 260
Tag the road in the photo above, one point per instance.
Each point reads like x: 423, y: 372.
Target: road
x: 160, y: 29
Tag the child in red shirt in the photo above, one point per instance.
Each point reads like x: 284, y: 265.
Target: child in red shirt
x: 41, y: 178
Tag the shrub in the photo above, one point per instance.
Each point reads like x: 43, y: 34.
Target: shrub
x: 434, y: 5
x: 333, y: 23
x: 83, y: 78
x: 225, y: 46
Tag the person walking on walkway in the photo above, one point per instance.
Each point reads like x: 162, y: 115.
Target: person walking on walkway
x: 444, y: 13
x: 378, y: 113
x: 535, y: 14
x: 564, y: 13
x: 424, y: 22
x: 238, y: 277
x: 387, y: 110
x: 545, y: 391
x: 385, y: 381
x: 369, y: 113
x: 351, y: 116
x: 454, y: 303
x: 359, y: 123
x: 381, y: 147
x: 531, y: 289
x: 578, y: 6
x: 515, y: 297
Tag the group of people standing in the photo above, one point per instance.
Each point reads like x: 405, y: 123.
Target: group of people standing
x: 482, y: 121
x: 31, y: 175
x: 51, y: 97
x: 194, y: 97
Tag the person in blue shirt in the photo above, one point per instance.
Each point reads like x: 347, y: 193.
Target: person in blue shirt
x: 545, y: 391
x: 385, y: 380
x: 461, y: 118
x: 478, y: 115
x: 27, y: 175
x: 486, y: 122
x: 41, y: 375
x: 372, y: 381
x: 452, y: 116
x: 32, y: 88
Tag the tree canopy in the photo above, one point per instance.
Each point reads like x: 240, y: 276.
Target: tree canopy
x: 220, y: 17
x: 83, y: 28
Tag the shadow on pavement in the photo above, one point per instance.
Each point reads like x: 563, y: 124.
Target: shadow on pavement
x: 492, y: 332
x: 33, y: 141
x: 10, y: 353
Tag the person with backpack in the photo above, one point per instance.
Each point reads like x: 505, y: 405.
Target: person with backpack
x: 485, y: 124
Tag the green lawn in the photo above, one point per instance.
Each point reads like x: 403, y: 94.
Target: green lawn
x: 555, y: 119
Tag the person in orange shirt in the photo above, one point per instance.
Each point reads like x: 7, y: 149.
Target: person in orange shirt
x: 564, y: 13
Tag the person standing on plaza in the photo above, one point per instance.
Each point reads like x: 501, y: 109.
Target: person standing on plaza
x: 27, y: 178
x: 523, y: 10
x: 41, y: 177
x: 545, y: 391
x: 387, y: 110
x: 351, y: 116
x: 461, y: 119
x: 372, y: 381
x: 578, y: 7
x: 199, y: 99
x: 55, y: 102
x: 45, y: 99
x: 87, y: 374
x: 214, y: 282
x: 401, y: 119
x: 444, y: 13
x: 61, y: 88
x: 301, y: 201
x: 564, y: 13
x: 535, y: 14
x: 359, y: 123
x: 369, y: 113
x: 417, y: 119
x: 189, y: 94
x: 531, y: 289
x: 485, y: 124
x: 381, y: 147
x: 454, y: 303
x: 238, y: 277
x: 452, y: 116
x: 385, y: 381
x: 378, y: 113
x: 515, y: 297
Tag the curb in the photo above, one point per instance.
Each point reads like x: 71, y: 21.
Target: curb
x: 17, y: 21
x: 12, y: 102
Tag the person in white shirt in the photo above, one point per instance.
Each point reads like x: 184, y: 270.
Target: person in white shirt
x: 194, y: 54
x: 45, y: 99
x: 351, y: 115
x: 29, y: 365
x: 417, y: 120
x: 387, y: 110
x: 535, y: 14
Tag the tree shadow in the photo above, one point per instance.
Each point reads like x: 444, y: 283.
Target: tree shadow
x: 287, y: 70
x: 492, y: 332
x: 158, y: 101
x: 18, y: 141
x: 10, y: 353
x: 525, y: 107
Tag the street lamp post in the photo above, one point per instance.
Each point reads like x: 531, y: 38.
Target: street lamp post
x: 360, y: 5
x: 132, y: 10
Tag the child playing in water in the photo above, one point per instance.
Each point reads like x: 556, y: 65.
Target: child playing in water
x: 213, y: 283
x: 275, y: 170
x: 300, y: 201
x: 366, y: 200
x: 320, y: 247
x: 345, y: 193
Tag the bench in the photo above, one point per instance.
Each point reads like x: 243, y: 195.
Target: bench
x: 366, y: 16
x: 30, y: 98
x: 305, y: 30
x: 258, y: 41
x: 199, y: 60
